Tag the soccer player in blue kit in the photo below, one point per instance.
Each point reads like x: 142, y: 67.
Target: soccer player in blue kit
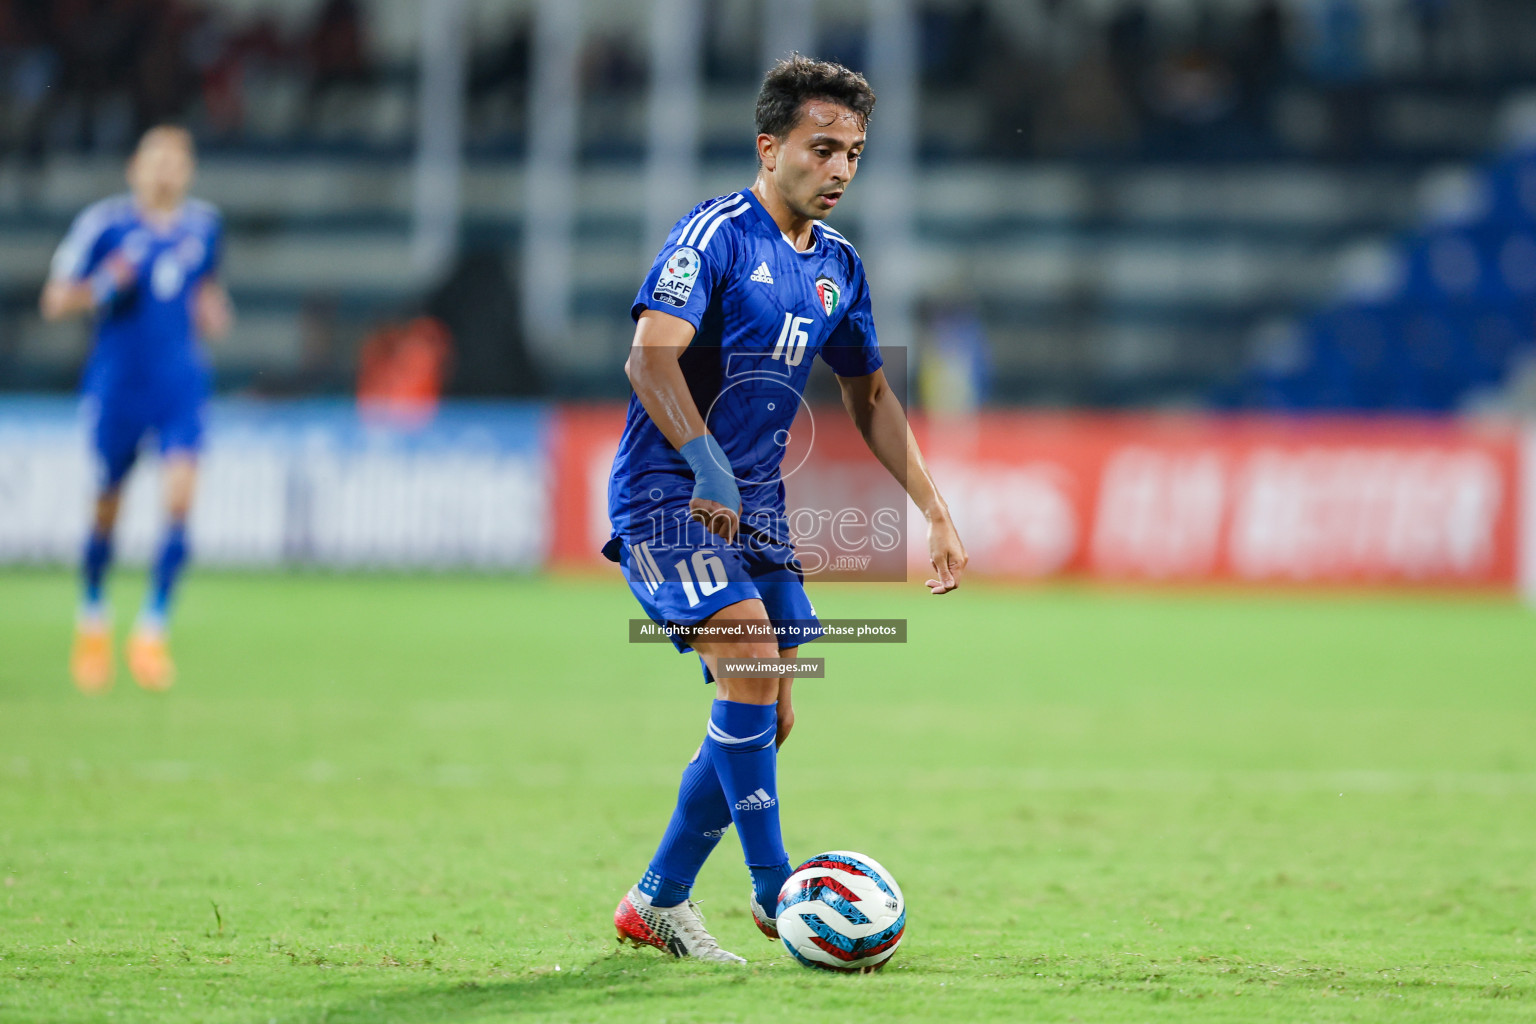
x: 144, y: 266
x: 748, y: 290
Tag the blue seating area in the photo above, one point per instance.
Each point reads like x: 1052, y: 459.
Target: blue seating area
x: 1445, y: 322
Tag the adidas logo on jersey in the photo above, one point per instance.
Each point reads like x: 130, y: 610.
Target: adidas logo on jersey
x: 758, y: 801
x: 761, y: 273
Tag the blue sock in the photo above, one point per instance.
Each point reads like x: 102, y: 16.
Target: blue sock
x: 699, y: 820
x: 741, y: 747
x: 93, y: 568
x: 173, y: 555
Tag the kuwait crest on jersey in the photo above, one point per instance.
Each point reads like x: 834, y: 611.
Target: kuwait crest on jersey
x: 829, y: 294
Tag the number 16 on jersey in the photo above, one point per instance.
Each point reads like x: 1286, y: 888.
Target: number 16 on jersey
x: 792, y: 340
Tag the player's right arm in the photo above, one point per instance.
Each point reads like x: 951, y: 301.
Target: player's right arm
x: 654, y: 372
x: 668, y: 309
x: 63, y: 298
x: 83, y: 278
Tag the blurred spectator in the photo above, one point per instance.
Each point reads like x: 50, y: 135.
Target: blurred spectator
x: 1192, y: 94
x: 1259, y: 61
x: 955, y: 366
x: 497, y: 95
x: 731, y: 42
x: 29, y: 67
x: 1128, y: 38
x: 1194, y: 87
x: 1011, y: 82
x: 336, y: 54
x: 503, y: 65
x: 320, y: 369
x: 1050, y: 78
x: 1335, y: 45
x: 234, y: 59
x: 955, y: 42
x: 164, y: 80
x: 1428, y: 18
x: 613, y: 66
x: 842, y: 41
x: 1335, y: 56
x: 401, y: 370
x: 97, y: 42
x: 1086, y: 114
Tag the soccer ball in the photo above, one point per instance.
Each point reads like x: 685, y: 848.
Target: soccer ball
x: 841, y: 911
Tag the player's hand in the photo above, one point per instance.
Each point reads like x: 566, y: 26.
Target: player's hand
x: 947, y: 555
x: 719, y: 520
x: 716, y: 499
x: 121, y: 269
x: 116, y: 277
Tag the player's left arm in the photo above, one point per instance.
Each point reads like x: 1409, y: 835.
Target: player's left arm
x: 212, y: 311
x: 878, y: 414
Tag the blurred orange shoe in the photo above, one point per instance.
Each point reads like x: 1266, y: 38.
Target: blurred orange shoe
x: 90, y: 661
x: 149, y: 660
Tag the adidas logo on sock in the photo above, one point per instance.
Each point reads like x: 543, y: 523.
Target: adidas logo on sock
x: 757, y: 801
x: 761, y: 274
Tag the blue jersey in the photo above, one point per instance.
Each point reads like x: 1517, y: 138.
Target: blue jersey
x: 146, y: 344
x: 763, y: 311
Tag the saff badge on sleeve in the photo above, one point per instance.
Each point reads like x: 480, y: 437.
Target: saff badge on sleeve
x: 678, y: 277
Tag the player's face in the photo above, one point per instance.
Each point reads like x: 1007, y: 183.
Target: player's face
x: 812, y: 165
x: 161, y: 169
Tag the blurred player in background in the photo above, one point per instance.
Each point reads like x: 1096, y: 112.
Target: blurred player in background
x: 144, y: 266
x: 747, y: 291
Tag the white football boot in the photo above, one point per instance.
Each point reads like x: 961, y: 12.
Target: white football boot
x: 677, y: 930
x: 766, y: 924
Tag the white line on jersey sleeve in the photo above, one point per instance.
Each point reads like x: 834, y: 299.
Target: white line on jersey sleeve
x: 838, y: 238
x: 691, y: 232
x: 69, y: 259
x: 737, y: 212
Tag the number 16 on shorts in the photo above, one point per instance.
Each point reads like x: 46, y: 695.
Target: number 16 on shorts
x: 702, y: 575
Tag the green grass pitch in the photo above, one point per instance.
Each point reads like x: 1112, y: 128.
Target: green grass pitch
x: 417, y: 799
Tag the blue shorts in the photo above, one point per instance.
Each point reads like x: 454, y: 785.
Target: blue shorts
x: 119, y: 425
x: 684, y: 578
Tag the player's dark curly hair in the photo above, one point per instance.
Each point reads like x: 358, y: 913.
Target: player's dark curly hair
x: 789, y: 83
